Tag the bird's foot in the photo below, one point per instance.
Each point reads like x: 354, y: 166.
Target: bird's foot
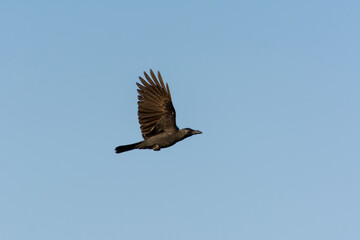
x: 156, y: 147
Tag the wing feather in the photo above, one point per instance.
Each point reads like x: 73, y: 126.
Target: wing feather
x: 155, y: 109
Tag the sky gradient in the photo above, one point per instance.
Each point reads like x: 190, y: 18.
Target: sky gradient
x: 273, y: 85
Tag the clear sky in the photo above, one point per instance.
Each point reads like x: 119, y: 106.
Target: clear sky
x: 273, y: 85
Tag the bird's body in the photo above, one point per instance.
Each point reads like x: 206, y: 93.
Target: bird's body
x: 157, y: 117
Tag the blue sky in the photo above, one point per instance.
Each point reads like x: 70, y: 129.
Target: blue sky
x: 273, y: 85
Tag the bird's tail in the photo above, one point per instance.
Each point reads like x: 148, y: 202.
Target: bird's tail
x: 125, y: 148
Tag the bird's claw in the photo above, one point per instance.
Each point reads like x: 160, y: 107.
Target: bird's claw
x: 156, y: 147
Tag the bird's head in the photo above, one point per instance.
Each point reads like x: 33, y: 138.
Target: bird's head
x: 189, y: 132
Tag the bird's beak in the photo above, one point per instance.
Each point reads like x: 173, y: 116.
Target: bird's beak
x: 196, y: 132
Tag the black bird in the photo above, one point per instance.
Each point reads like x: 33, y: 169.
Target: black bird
x: 156, y: 116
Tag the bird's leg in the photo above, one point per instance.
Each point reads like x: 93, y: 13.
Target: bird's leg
x: 156, y: 147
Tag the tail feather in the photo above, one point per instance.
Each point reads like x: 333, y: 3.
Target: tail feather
x: 125, y: 148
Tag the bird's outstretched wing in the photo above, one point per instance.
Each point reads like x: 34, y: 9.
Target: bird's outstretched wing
x: 156, y: 112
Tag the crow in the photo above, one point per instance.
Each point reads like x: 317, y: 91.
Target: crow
x: 157, y: 116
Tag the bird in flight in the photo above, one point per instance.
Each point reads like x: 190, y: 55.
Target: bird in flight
x: 156, y: 116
